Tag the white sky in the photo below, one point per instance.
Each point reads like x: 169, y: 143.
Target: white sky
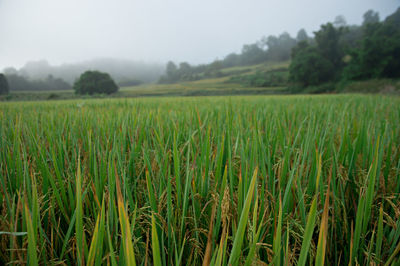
x: 197, y: 31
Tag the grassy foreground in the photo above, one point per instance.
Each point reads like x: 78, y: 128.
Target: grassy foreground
x: 191, y: 181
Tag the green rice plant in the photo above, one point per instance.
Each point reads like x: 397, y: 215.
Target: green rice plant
x: 277, y: 244
x: 305, y: 246
x: 379, y: 238
x: 79, y: 231
x: 32, y: 255
x: 238, y: 240
x: 154, y: 243
x: 129, y: 254
x: 323, y: 232
x: 95, y: 250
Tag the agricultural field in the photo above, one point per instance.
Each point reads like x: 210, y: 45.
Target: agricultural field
x: 217, y: 86
x: 230, y: 83
x: 250, y: 180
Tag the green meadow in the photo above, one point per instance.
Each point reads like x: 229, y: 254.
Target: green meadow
x: 250, y: 180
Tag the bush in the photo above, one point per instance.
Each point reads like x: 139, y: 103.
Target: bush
x: 4, y: 89
x: 53, y: 96
x: 272, y: 78
x: 92, y: 82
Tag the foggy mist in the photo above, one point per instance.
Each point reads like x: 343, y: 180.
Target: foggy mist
x: 157, y: 31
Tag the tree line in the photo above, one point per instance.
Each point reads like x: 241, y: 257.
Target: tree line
x: 271, y: 48
x: 40, y: 75
x: 17, y: 82
x: 337, y: 52
x: 341, y: 53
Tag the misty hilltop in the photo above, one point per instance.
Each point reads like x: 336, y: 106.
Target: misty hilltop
x: 123, y: 71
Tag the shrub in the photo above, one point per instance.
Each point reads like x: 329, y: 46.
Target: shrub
x: 53, y: 96
x: 92, y: 82
x: 272, y: 78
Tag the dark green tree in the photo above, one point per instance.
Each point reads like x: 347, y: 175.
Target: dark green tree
x: 394, y: 19
x: 309, y: 68
x: 4, y: 89
x: 351, y: 37
x: 92, y: 82
x: 327, y: 39
x: 378, y: 56
x: 370, y: 17
x: 318, y: 63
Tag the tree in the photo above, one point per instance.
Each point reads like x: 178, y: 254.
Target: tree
x: 309, y: 68
x: 51, y: 83
x: 302, y: 35
x: 340, y: 21
x: 171, y: 69
x: 92, y: 82
x: 18, y: 83
x: 378, y: 56
x: 4, y: 89
x: 394, y: 19
x: 231, y: 60
x: 252, y: 54
x: 327, y: 39
x: 185, y: 71
x: 351, y: 37
x: 370, y: 17
x: 279, y: 48
x: 299, y: 47
x: 213, y: 69
x: 171, y: 73
x: 318, y: 63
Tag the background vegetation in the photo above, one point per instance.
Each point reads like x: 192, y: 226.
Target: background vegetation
x: 341, y: 53
x: 338, y: 53
x: 335, y: 57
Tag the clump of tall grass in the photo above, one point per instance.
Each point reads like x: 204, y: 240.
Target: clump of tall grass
x: 212, y: 181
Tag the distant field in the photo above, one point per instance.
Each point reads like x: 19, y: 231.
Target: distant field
x: 225, y: 85
x: 249, y: 180
x: 194, y: 88
x: 203, y: 87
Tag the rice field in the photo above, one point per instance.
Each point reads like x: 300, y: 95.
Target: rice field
x: 266, y: 180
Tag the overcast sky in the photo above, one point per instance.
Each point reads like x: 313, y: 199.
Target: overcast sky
x: 196, y: 31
